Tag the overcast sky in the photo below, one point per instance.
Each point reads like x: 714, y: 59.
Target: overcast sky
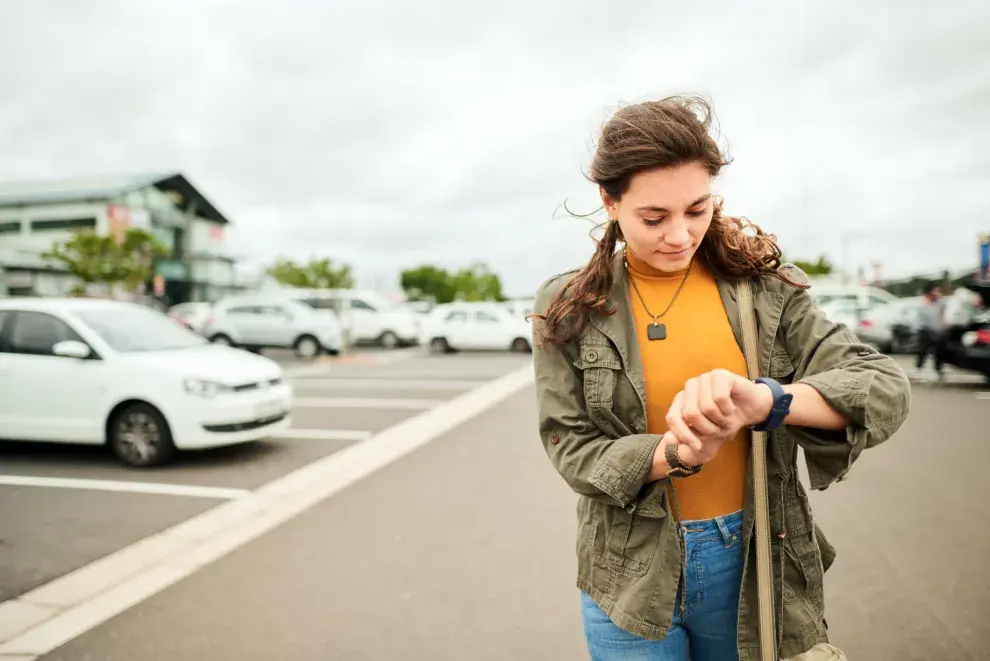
x: 390, y: 134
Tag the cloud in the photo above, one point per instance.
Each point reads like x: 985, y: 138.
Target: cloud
x: 391, y: 134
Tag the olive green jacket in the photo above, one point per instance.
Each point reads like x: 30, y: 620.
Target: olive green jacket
x: 592, y: 418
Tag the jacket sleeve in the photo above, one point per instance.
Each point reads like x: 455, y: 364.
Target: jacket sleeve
x: 867, y: 387
x: 612, y: 470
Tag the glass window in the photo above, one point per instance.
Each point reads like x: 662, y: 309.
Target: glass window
x: 244, y: 309
x: 358, y: 304
x: 35, y: 333
x: 62, y: 224
x: 486, y: 317
x: 456, y: 317
x: 133, y: 329
x: 10, y: 227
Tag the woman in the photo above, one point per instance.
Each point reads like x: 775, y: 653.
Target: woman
x: 645, y: 410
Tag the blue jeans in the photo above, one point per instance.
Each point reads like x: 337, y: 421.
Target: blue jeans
x: 706, y: 609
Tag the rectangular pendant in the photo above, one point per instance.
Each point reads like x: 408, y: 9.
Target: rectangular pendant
x: 656, y: 332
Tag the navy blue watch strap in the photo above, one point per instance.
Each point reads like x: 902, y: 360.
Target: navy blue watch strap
x: 781, y: 405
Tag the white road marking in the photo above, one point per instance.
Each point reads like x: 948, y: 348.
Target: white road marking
x: 387, y: 384
x: 479, y: 377
x: 362, y: 403
x: 983, y: 395
x: 91, y: 595
x: 323, y: 435
x: 125, y: 487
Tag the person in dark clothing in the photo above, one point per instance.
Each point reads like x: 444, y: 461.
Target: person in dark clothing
x: 931, y: 338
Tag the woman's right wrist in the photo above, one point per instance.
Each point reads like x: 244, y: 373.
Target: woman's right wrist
x: 660, y: 466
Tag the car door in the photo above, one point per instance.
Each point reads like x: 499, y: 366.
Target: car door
x: 366, y: 320
x: 246, y: 320
x: 55, y: 398
x: 490, y: 331
x: 457, y: 330
x: 279, y: 325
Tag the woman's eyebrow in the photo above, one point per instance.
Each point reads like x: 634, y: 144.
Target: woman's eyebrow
x: 656, y: 209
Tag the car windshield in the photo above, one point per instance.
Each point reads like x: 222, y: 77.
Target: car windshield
x: 139, y: 329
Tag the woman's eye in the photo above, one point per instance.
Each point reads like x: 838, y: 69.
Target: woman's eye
x: 696, y: 213
x: 653, y: 222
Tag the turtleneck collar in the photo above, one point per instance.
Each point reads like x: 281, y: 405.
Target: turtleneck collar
x: 641, y: 269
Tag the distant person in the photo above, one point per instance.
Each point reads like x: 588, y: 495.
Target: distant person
x: 645, y: 406
x: 931, y: 331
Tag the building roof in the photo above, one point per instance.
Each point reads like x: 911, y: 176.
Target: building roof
x: 85, y: 189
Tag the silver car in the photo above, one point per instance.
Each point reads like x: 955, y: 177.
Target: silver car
x: 274, y: 322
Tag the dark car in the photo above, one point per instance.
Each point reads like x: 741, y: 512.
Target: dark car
x: 968, y: 348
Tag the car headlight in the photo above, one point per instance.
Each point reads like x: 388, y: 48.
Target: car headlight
x: 204, y: 388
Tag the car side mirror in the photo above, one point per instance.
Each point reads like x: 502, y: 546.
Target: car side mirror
x: 71, y: 349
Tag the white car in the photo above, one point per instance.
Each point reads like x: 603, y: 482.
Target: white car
x: 475, y: 326
x: 369, y: 317
x: 273, y: 322
x: 194, y: 316
x: 101, y: 372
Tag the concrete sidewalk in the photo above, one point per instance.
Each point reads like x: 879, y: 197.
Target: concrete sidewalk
x: 465, y: 550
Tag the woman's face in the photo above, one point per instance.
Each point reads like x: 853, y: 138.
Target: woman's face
x: 664, y: 215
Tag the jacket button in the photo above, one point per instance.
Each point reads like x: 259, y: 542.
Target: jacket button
x: 591, y: 356
x: 554, y: 439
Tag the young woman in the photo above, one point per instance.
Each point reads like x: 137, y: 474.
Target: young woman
x: 645, y: 409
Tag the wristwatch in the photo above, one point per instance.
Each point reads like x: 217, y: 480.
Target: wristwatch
x: 781, y: 405
x: 677, y: 467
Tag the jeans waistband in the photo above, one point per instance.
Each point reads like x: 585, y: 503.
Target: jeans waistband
x: 726, y: 525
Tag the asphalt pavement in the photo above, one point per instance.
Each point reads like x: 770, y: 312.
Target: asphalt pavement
x: 464, y: 548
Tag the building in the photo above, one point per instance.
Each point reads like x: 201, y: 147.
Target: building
x: 34, y: 216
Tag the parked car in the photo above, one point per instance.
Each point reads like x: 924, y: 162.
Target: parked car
x: 866, y: 297
x: 475, y: 326
x: 370, y: 317
x: 892, y: 328
x: 521, y: 307
x: 99, y: 372
x: 194, y: 316
x: 273, y: 322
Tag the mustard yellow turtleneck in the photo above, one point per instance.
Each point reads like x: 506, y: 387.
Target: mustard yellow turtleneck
x: 699, y: 339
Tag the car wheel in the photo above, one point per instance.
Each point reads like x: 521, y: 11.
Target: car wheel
x: 520, y: 345
x: 439, y: 345
x: 307, y: 346
x: 139, y: 436
x: 389, y: 340
x: 222, y: 340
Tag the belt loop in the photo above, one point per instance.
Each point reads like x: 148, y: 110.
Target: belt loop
x: 723, y: 528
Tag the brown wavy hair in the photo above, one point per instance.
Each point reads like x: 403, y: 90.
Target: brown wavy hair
x: 668, y: 133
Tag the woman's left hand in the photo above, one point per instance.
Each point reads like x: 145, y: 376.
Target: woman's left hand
x: 716, y: 405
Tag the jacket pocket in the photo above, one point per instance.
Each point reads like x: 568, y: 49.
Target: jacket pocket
x: 803, y: 570
x: 601, y: 367
x: 626, y: 542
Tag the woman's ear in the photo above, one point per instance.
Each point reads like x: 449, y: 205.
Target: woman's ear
x: 608, y: 203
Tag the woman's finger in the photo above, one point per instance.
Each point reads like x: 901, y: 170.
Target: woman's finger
x: 691, y: 410
x: 677, y: 424
x: 722, y: 393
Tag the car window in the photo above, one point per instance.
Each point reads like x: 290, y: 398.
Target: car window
x: 486, y: 317
x: 456, y: 316
x: 35, y: 333
x: 4, y: 314
x: 244, y: 309
x: 134, y: 329
x: 358, y: 304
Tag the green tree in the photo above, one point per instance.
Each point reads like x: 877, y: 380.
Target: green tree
x: 139, y: 250
x: 476, y: 283
x: 820, y: 267
x: 98, y: 259
x: 314, y: 274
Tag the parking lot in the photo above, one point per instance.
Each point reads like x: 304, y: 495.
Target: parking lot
x: 83, y: 505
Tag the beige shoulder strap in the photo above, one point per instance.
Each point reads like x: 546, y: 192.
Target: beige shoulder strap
x: 768, y: 652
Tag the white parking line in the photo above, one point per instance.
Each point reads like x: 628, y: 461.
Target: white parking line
x: 983, y: 395
x: 361, y: 403
x: 387, y: 384
x: 81, y: 600
x: 126, y: 487
x: 323, y: 435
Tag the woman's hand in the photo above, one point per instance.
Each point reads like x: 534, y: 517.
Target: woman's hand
x: 713, y: 407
